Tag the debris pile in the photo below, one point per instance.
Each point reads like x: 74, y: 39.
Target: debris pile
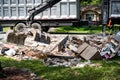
x: 51, y: 48
x: 62, y: 61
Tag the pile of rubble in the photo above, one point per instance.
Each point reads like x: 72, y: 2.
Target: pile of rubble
x: 64, y: 50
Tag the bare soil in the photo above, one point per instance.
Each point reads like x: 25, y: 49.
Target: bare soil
x: 19, y: 74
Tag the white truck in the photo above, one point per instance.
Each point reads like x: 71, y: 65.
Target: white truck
x: 40, y: 13
x: 110, y: 13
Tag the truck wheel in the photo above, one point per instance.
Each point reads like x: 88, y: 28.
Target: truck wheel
x: 45, y: 28
x: 20, y: 26
x: 36, y: 26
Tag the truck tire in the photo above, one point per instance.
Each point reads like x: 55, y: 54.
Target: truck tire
x: 20, y: 26
x: 36, y: 26
x: 45, y: 28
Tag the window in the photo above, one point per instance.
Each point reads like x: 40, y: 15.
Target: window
x: 13, y: 11
x: 89, y: 17
x: 21, y: 11
x: 63, y: 8
x: 28, y: 1
x: 115, y: 7
x: 5, y: 11
x: 5, y: 2
x: 72, y: 8
x: 13, y: 1
x: 20, y: 1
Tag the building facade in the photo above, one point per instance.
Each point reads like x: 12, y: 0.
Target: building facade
x: 91, y: 13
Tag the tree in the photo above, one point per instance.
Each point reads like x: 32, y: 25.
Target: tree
x: 90, y: 2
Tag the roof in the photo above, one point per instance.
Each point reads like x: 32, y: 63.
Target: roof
x: 95, y: 8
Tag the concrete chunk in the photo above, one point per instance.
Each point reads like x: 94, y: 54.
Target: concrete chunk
x: 90, y: 53
x: 82, y: 48
x: 61, y: 45
x: 73, y: 48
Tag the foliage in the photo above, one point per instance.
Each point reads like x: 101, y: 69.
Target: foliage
x: 110, y: 70
x: 90, y: 2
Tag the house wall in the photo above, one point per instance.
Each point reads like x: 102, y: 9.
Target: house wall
x: 95, y: 18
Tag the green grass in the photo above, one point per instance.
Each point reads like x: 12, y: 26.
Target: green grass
x: 110, y: 70
x: 81, y: 29
x: 5, y: 29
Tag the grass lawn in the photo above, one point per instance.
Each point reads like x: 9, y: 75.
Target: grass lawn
x: 68, y: 29
x: 110, y: 70
x: 5, y: 29
x: 81, y: 29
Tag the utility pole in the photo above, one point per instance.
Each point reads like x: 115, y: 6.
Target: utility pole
x: 104, y: 16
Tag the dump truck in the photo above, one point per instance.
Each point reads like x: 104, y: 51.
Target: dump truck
x: 110, y: 13
x: 40, y: 13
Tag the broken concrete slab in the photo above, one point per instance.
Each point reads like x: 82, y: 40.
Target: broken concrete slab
x: 19, y: 38
x: 10, y: 37
x: 73, y: 48
x: 90, y: 53
x: 16, y: 37
x: 76, y: 40
x: 81, y: 48
x: 41, y: 36
x: 62, y: 43
x: 59, y: 44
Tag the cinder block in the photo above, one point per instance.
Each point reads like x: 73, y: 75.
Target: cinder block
x: 90, y: 53
x: 41, y: 37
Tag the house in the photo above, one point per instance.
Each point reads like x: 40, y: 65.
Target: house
x: 91, y: 13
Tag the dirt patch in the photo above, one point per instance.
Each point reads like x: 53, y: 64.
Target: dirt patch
x: 19, y: 74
